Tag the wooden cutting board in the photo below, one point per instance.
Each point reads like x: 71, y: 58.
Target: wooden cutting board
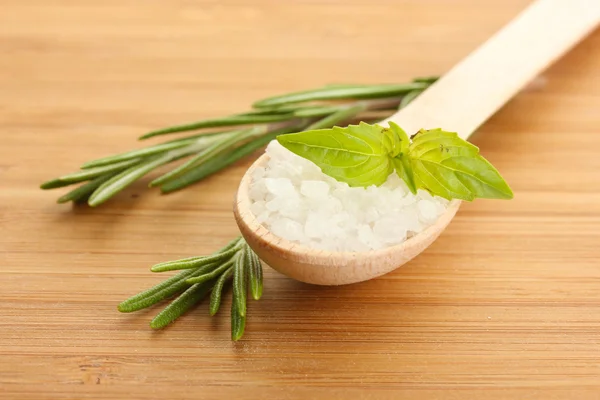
x: 505, y: 305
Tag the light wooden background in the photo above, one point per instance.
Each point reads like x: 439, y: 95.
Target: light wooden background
x: 505, y: 305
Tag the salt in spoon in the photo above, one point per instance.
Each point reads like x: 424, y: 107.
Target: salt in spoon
x: 460, y: 102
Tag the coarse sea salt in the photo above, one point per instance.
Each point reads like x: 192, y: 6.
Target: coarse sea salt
x: 292, y: 198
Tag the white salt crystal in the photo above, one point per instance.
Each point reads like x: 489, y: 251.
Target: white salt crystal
x: 428, y: 211
x: 293, y: 208
x: 275, y: 204
x: 257, y: 191
x: 258, y: 173
x: 262, y: 217
x: 407, y: 200
x: 278, y: 152
x: 257, y: 207
x: 410, y: 218
x: 390, y: 230
x: 354, y: 244
x: 315, y: 225
x: 424, y: 194
x: 314, y: 189
x: 371, y: 214
x: 280, y: 187
x: 330, y: 205
x: 366, y: 236
x: 294, y: 200
x: 287, y: 229
x: 340, y: 192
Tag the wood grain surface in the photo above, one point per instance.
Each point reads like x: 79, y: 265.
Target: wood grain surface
x: 505, y: 305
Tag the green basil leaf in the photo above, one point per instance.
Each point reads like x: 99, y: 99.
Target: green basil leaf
x: 403, y: 141
x: 451, y: 167
x: 405, y: 172
x: 357, y: 154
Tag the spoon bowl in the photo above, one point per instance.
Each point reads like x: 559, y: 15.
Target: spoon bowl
x: 323, y: 267
x: 460, y: 101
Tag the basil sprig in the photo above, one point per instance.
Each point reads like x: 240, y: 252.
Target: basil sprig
x: 435, y: 160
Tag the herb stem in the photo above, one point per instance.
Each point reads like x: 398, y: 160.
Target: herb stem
x: 341, y: 92
x: 337, y: 117
x: 87, y: 174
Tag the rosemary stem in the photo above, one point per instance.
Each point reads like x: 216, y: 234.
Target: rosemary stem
x: 337, y: 117
x: 209, y: 152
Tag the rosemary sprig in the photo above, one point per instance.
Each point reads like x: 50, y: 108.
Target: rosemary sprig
x: 209, y: 152
x: 199, y: 277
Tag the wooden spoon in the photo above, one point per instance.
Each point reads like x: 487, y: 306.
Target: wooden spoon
x: 460, y: 101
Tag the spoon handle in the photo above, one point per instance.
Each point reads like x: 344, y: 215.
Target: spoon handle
x: 485, y: 80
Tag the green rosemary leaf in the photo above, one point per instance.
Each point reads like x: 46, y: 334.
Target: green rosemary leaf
x: 232, y: 120
x: 87, y: 174
x: 181, y: 304
x: 164, y: 290
x: 122, y: 180
x: 156, y: 293
x: 212, y: 274
x: 211, y: 151
x: 240, y: 284
x: 194, y: 262
x: 225, y: 248
x: 273, y: 110
x: 341, y: 92
x: 217, y: 291
x: 180, y: 261
x: 426, y: 79
x: 255, y: 275
x: 148, y: 151
x: 198, y: 173
x: 84, y: 191
x: 218, y: 163
x: 238, y: 321
x: 213, y: 135
x: 409, y: 97
x: 337, y: 117
x: 229, y: 245
x: 316, y: 111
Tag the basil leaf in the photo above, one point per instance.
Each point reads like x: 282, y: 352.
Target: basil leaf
x: 405, y: 172
x: 357, y: 154
x: 402, y: 137
x: 451, y: 167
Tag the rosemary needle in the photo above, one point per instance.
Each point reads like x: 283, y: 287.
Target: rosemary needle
x: 240, y: 283
x: 217, y: 291
x: 212, y: 274
x: 181, y: 304
x: 195, y: 263
x: 84, y: 191
x: 255, y: 277
x: 238, y: 322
